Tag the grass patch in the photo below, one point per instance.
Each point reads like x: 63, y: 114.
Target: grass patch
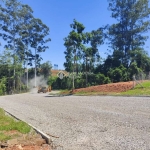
x: 138, y: 90
x: 7, y: 123
x: 92, y: 93
x: 65, y: 92
x: 4, y: 137
x: 145, y: 84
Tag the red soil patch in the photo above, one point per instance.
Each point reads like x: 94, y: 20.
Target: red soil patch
x: 108, y: 88
x: 21, y: 141
x: 33, y: 147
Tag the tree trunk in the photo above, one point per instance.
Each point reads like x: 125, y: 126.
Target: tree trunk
x: 35, y: 71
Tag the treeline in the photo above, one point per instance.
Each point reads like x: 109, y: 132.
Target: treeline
x: 23, y: 38
x: 125, y: 38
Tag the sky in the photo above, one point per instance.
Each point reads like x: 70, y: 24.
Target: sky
x: 59, y: 14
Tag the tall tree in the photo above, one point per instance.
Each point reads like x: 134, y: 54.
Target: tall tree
x: 73, y: 44
x: 25, y: 37
x: 127, y: 34
x: 82, y: 48
x: 91, y: 42
x: 14, y: 19
x: 38, y: 40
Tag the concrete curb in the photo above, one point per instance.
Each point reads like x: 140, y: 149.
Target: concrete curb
x: 44, y: 136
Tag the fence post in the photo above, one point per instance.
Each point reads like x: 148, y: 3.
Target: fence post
x: 133, y: 81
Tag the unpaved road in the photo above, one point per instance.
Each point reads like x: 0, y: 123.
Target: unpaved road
x: 86, y: 123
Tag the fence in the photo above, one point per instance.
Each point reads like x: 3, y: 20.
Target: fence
x: 141, y: 77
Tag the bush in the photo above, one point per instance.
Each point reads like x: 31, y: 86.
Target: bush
x: 118, y: 74
x: 101, y: 79
x: 2, y: 86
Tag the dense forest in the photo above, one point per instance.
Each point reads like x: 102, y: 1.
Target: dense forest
x: 25, y: 37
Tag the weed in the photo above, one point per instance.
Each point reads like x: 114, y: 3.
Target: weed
x: 8, y: 124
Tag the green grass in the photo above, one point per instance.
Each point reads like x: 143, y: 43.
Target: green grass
x: 8, y: 123
x: 65, y: 92
x: 4, y: 137
x: 138, y: 90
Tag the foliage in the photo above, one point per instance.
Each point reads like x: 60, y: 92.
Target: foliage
x: 73, y: 44
x: 127, y: 34
x: 2, y: 86
x: 101, y: 79
x: 118, y: 74
x: 80, y: 81
x: 24, y: 38
x: 51, y: 80
x: 45, y: 69
x: 140, y: 56
x: 133, y: 69
x: 77, y: 49
x: 79, y: 55
x: 7, y: 123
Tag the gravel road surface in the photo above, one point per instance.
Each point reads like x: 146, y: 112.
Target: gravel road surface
x: 87, y: 122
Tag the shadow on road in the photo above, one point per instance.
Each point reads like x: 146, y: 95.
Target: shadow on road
x: 57, y: 95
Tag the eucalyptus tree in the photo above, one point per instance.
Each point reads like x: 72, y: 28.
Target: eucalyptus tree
x: 92, y: 40
x: 38, y: 39
x: 82, y: 47
x: 26, y: 29
x: 73, y: 43
x: 127, y: 34
x: 90, y: 52
x: 11, y: 21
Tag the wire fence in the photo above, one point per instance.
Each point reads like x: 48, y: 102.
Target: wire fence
x: 140, y: 78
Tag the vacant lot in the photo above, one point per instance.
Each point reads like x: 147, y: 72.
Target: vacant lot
x: 86, y: 123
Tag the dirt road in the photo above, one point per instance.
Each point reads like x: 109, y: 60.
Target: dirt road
x: 86, y: 123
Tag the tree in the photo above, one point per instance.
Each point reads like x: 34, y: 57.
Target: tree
x: 127, y: 34
x: 37, y: 40
x: 45, y: 69
x: 140, y: 56
x: 82, y: 48
x: 6, y: 69
x: 25, y: 33
x: 10, y: 17
x: 15, y: 17
x: 118, y: 74
x: 22, y: 33
x: 133, y: 70
x: 73, y: 44
x: 2, y: 86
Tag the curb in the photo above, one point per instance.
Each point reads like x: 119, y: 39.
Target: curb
x: 44, y: 136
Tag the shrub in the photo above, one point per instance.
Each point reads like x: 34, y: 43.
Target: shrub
x: 2, y: 86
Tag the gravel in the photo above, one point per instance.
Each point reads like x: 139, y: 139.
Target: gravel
x: 87, y: 122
